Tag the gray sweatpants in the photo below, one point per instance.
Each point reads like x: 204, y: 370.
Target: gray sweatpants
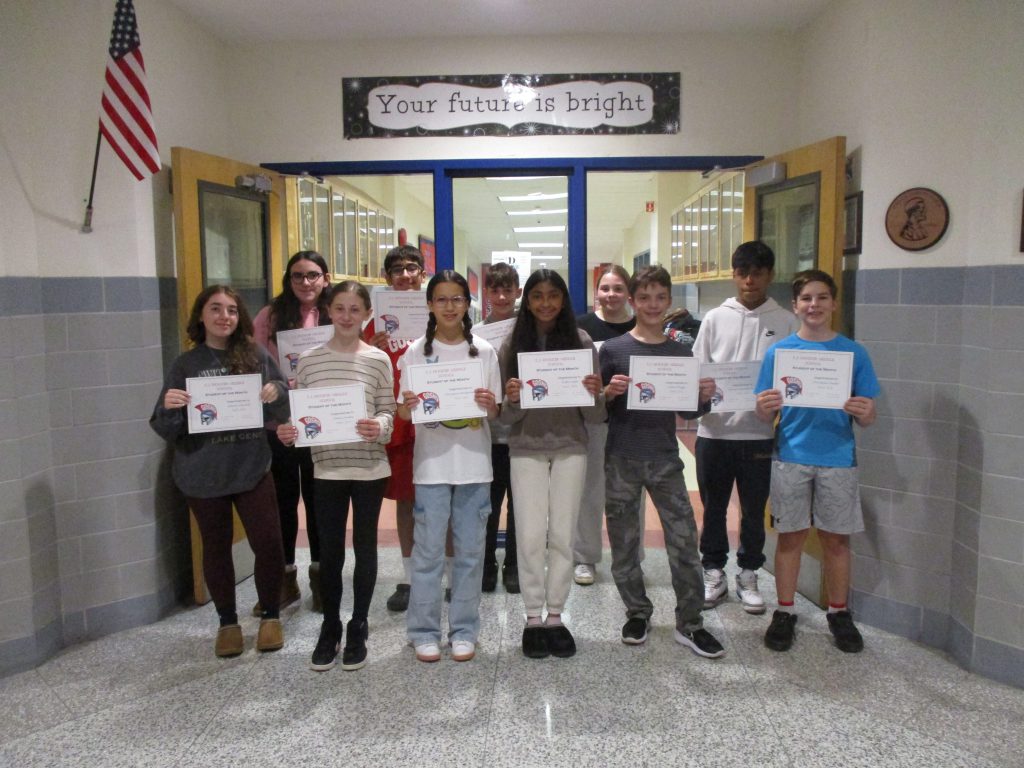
x: 663, y: 479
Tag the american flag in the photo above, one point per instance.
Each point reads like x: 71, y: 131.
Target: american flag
x: 126, y: 119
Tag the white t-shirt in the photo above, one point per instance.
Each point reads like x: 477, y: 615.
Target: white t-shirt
x: 452, y: 452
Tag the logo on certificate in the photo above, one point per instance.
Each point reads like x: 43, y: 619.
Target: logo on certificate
x: 794, y: 387
x: 431, y: 402
x: 207, y: 413
x: 717, y: 398
x: 538, y: 388
x: 311, y: 426
x: 390, y: 323
x: 293, y: 361
x: 646, y: 391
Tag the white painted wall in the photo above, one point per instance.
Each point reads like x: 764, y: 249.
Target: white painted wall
x: 930, y: 92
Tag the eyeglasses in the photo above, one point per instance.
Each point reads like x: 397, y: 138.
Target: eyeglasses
x: 302, y: 277
x: 456, y: 301
x: 406, y: 269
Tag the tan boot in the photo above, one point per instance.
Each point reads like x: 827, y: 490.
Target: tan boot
x: 271, y: 635
x: 229, y: 641
x: 314, y: 586
x: 289, y: 590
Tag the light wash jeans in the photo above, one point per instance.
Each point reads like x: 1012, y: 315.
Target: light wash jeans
x: 467, y: 507
x: 547, y: 490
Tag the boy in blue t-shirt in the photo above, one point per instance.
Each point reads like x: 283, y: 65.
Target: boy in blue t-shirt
x: 814, y: 477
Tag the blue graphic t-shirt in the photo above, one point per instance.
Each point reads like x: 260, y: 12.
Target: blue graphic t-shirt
x: 819, y: 436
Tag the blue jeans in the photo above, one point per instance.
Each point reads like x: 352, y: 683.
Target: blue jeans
x: 467, y: 507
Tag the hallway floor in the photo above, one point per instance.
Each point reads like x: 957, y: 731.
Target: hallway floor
x: 157, y: 696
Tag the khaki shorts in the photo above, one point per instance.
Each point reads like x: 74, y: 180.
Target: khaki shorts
x: 827, y: 498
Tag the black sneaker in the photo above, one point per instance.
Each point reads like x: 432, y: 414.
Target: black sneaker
x: 634, y: 631
x: 535, y: 642
x: 781, y: 631
x: 510, y: 578
x: 399, y: 600
x: 489, y: 583
x: 326, y: 651
x: 846, y: 635
x: 354, y: 655
x: 560, y: 641
x: 701, y: 642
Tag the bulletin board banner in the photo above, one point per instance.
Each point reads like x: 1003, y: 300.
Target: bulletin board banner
x: 511, y: 105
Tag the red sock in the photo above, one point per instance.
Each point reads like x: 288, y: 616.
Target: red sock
x: 834, y: 608
x: 786, y: 607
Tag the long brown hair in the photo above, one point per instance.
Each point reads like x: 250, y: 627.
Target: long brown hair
x: 449, y: 276
x: 241, y: 353
x: 285, y: 310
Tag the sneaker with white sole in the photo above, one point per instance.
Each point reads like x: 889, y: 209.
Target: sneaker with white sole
x: 428, y: 652
x: 583, y: 574
x: 701, y: 642
x: 746, y: 591
x: 716, y: 589
x: 463, y: 650
x: 634, y: 631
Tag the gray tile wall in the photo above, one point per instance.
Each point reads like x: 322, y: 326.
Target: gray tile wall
x: 943, y: 468
x: 93, y: 537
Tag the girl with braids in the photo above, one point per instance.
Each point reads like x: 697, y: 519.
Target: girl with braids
x: 302, y: 303
x: 221, y: 469
x: 452, y: 479
x: 548, y: 454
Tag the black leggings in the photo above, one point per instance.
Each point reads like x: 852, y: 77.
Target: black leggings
x: 293, y: 470
x: 258, y: 513
x: 332, y: 503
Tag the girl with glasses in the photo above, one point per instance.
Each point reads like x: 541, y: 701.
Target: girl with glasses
x: 302, y: 303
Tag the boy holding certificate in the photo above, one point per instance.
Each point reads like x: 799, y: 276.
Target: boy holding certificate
x: 643, y: 452
x: 733, y: 445
x: 814, y: 477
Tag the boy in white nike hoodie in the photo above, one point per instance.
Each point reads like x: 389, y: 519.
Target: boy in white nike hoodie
x: 736, y: 446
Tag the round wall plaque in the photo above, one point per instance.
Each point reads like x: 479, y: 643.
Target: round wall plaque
x: 917, y: 219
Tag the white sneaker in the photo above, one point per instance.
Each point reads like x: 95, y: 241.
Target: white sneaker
x: 428, y: 652
x: 715, y: 587
x: 583, y: 574
x: 746, y: 590
x: 463, y: 650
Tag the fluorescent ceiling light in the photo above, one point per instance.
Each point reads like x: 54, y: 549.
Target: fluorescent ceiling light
x: 538, y: 212
x: 533, y: 197
x: 552, y: 228
x: 540, y: 245
x: 518, y: 178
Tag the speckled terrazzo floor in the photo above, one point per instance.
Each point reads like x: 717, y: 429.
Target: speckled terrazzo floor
x: 156, y: 696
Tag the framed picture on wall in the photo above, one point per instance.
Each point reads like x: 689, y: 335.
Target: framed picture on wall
x: 429, y: 255
x: 854, y: 218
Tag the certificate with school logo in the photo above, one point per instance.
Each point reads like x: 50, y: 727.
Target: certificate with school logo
x: 403, y: 314
x: 446, y: 391
x: 291, y: 344
x: 813, y: 379
x: 327, y: 415
x: 495, y: 333
x: 224, y: 403
x: 555, y: 379
x: 734, y: 385
x: 663, y: 383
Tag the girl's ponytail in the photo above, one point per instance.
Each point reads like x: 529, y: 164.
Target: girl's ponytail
x: 467, y: 333
x: 428, y: 347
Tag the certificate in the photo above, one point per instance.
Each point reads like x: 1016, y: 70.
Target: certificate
x: 224, y: 403
x: 495, y: 333
x: 403, y: 314
x: 446, y: 391
x: 812, y: 379
x: 734, y: 385
x: 327, y: 415
x: 555, y: 379
x: 291, y: 344
x: 663, y: 383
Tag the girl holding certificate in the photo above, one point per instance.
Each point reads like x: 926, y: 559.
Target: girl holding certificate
x: 344, y: 472
x: 451, y: 471
x: 216, y: 470
x: 548, y: 450
x: 302, y: 303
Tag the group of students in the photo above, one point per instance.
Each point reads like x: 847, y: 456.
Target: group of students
x: 565, y: 468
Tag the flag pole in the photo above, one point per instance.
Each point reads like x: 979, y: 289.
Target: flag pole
x: 87, y: 224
